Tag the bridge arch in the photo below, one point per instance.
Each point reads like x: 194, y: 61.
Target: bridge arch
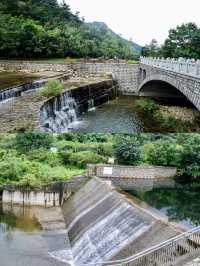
x: 163, y: 86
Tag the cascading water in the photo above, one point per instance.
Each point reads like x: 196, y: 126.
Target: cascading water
x: 18, y: 90
x: 100, y: 224
x: 91, y: 106
x: 59, y: 113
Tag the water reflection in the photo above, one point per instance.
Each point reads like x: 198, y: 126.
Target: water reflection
x: 17, y: 218
x: 29, y: 235
x: 181, y: 204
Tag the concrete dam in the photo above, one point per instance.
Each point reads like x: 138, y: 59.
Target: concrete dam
x: 103, y: 224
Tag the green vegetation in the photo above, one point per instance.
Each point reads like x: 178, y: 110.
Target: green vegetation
x: 46, y: 29
x: 183, y: 41
x: 35, y: 159
x: 153, y: 118
x: 52, y: 88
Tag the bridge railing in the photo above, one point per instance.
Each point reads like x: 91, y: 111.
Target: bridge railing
x: 181, y: 65
x: 175, y: 251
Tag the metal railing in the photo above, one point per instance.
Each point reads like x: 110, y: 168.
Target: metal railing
x: 183, y: 66
x: 174, y: 251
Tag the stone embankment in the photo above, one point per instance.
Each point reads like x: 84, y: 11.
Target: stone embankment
x: 24, y: 112
x: 126, y: 75
x: 129, y: 178
x: 52, y: 195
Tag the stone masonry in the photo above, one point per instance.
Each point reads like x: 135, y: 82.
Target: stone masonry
x: 141, y: 177
x: 125, y: 74
x: 187, y: 83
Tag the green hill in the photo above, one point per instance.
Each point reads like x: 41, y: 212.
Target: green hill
x: 46, y: 29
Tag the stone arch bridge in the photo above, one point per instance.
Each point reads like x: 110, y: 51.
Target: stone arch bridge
x: 170, y: 78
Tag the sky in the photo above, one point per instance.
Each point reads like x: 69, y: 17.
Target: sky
x: 141, y: 20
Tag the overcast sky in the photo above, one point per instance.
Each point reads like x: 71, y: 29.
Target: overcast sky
x: 141, y: 20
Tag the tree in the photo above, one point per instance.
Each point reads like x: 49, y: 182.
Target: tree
x: 183, y: 41
x: 127, y: 151
x: 152, y: 49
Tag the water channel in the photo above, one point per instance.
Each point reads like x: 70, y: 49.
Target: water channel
x: 9, y: 79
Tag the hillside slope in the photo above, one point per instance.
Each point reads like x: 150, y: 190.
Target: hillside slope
x: 44, y: 28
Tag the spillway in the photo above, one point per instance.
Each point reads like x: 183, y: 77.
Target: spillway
x: 103, y: 225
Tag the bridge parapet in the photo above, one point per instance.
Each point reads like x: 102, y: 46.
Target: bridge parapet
x: 182, y: 66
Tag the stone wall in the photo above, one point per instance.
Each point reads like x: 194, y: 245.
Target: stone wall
x: 125, y: 74
x: 36, y: 198
x: 127, y: 177
x: 49, y: 196
x: 33, y: 67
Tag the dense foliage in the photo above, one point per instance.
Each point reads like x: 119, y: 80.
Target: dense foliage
x: 44, y: 28
x: 34, y: 159
x: 183, y: 41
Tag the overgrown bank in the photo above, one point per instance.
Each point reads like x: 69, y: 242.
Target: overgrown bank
x: 34, y: 159
x: 167, y: 119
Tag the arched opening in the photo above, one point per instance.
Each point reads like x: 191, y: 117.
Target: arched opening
x: 166, y: 93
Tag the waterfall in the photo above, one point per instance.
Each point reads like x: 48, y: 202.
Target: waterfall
x: 18, y: 90
x: 100, y: 224
x: 91, y: 106
x: 59, y: 113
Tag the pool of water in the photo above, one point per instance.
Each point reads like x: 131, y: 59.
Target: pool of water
x: 118, y: 116
x: 24, y: 241
x: 9, y: 79
x: 180, y: 204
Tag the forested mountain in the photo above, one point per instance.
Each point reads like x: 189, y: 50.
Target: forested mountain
x: 44, y: 28
x: 101, y: 29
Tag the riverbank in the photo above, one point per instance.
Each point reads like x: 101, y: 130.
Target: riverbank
x: 157, y: 117
x: 33, y: 160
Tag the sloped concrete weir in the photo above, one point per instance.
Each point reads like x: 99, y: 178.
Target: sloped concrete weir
x: 103, y: 225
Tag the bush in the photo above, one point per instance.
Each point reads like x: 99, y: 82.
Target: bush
x: 162, y: 153
x: 191, y: 156
x: 81, y: 159
x: 24, y: 142
x: 44, y: 156
x: 13, y: 168
x: 52, y: 88
x: 127, y: 151
x: 105, y: 149
x: 146, y: 105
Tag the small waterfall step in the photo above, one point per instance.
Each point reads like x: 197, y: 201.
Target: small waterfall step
x: 103, y: 225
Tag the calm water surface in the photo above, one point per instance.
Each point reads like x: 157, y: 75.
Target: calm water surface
x: 181, y: 204
x: 118, y: 116
x: 9, y: 79
x: 23, y: 241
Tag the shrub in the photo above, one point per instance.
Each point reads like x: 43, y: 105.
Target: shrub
x: 24, y: 142
x: 52, y: 88
x: 105, y: 149
x: 44, y: 156
x: 162, y: 153
x: 146, y: 105
x: 127, y: 151
x: 13, y: 168
x: 81, y: 159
